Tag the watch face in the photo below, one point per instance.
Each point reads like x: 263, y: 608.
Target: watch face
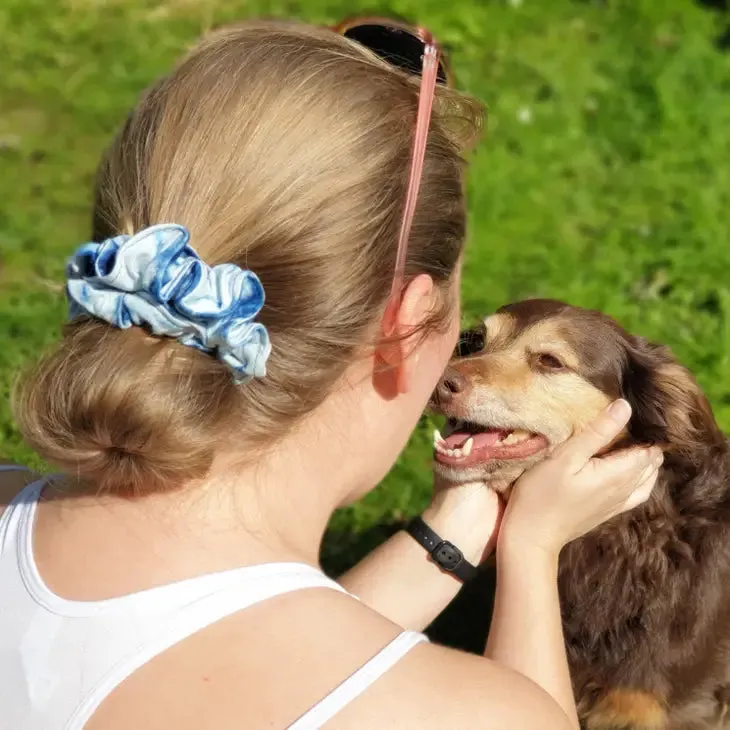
x: 448, y: 556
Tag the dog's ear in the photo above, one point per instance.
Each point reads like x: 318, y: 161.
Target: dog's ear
x: 669, y: 407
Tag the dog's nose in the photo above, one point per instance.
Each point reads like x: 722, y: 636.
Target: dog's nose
x: 452, y: 383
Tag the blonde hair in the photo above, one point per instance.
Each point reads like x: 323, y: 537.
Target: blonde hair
x: 284, y: 149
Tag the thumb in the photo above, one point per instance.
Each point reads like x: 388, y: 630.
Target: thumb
x: 596, y: 436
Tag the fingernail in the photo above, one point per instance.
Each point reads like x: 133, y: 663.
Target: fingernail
x: 620, y: 410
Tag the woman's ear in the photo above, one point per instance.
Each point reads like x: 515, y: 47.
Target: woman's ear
x: 669, y: 407
x: 401, y: 326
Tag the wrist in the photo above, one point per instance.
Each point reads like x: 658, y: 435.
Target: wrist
x: 514, y: 546
x: 470, y: 539
x: 449, y: 558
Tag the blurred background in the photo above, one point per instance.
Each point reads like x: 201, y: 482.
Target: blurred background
x: 603, y: 179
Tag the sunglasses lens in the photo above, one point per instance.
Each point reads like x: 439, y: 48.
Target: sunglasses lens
x: 397, y: 46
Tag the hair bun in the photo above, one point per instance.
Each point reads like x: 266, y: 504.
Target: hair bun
x: 128, y: 432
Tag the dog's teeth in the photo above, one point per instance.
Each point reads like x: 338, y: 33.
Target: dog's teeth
x: 441, y: 447
x: 516, y: 437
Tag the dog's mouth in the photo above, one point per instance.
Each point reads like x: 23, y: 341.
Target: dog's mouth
x: 468, y: 444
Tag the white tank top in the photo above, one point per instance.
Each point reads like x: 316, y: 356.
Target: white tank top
x: 60, y: 659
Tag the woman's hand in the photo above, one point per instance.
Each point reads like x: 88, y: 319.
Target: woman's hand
x: 468, y: 515
x: 555, y: 502
x: 573, y: 491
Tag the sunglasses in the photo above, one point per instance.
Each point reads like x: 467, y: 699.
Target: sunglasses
x: 415, y: 51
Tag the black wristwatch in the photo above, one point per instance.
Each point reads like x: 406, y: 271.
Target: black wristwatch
x: 444, y: 553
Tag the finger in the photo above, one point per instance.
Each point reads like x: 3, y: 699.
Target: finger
x: 596, y: 436
x: 625, y: 467
x: 492, y: 542
x: 644, y: 486
x: 642, y: 493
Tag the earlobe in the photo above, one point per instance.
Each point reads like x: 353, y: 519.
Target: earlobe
x: 388, y: 376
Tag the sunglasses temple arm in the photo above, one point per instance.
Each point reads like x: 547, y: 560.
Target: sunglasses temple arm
x: 425, y: 105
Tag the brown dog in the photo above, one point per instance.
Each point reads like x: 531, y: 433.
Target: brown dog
x: 645, y: 597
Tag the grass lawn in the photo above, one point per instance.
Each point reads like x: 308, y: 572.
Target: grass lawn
x: 604, y: 178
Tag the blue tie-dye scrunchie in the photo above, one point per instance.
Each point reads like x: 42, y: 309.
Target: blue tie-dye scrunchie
x: 155, y: 279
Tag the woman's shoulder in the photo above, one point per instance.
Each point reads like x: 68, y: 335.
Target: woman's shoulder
x: 13, y: 479
x: 274, y: 661
x: 435, y: 687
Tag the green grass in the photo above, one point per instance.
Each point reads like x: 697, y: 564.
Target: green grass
x: 604, y: 179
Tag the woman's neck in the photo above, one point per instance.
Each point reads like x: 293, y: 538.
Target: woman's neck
x: 274, y: 513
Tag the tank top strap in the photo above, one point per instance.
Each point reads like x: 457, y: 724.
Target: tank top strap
x: 171, y: 614
x: 254, y: 585
x: 19, y: 509
x: 358, y: 682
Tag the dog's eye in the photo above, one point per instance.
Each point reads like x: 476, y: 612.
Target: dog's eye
x: 548, y: 362
x: 471, y: 342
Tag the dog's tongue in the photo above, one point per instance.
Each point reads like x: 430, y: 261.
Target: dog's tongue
x: 484, y: 438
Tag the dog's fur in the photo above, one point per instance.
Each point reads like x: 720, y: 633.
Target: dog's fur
x: 645, y: 597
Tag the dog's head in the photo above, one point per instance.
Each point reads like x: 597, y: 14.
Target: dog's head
x: 540, y: 370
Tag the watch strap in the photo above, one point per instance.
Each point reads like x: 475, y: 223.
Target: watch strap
x: 444, y: 553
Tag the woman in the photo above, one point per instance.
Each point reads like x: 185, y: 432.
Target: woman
x: 168, y: 577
